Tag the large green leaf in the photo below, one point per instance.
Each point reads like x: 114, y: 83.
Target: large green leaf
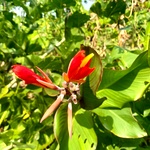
x: 120, y: 122
x: 130, y: 86
x: 112, y: 76
x: 83, y: 137
x: 122, y: 57
x: 89, y: 88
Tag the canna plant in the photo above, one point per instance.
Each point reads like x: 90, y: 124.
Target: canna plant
x: 79, y: 68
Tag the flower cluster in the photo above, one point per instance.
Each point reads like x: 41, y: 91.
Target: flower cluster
x: 79, y: 68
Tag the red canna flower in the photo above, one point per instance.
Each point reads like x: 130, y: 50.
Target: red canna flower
x: 79, y: 67
x: 31, y: 77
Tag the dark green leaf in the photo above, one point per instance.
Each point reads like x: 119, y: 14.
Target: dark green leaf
x: 115, y: 8
x: 52, y: 63
x: 77, y: 19
x: 62, y: 3
x: 96, y: 8
x: 96, y: 77
x: 33, y: 48
x: 89, y: 100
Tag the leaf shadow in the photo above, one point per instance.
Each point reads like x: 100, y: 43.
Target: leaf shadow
x: 126, y: 81
x: 107, y: 122
x: 85, y: 119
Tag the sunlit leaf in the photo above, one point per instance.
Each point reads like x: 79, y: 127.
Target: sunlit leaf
x: 112, y: 76
x: 3, y: 91
x: 120, y: 122
x: 125, y: 90
x: 84, y: 136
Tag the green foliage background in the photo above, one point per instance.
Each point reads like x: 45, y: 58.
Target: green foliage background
x: 47, y: 34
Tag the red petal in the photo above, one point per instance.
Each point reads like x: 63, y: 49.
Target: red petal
x: 75, y: 63
x: 26, y: 74
x: 83, y: 72
x: 76, y: 73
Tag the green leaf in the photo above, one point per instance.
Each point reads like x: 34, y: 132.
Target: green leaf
x: 47, y: 138
x: 77, y: 19
x: 84, y: 136
x: 127, y: 59
x: 96, y: 8
x: 31, y: 60
x: 4, y: 115
x: 4, y: 91
x: 33, y: 48
x: 123, y: 57
x: 96, y: 77
x: 89, y: 88
x: 52, y: 63
x: 8, y: 15
x: 51, y: 92
x: 89, y: 100
x: 35, y: 59
x: 112, y: 76
x: 120, y: 122
x: 3, y: 145
x: 115, y: 8
x: 114, y: 98
x: 125, y: 90
x: 147, y: 41
x: 147, y: 37
x: 61, y: 127
x: 62, y: 3
x: 122, y: 86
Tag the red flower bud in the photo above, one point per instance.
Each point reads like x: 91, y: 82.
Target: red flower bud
x: 31, y: 77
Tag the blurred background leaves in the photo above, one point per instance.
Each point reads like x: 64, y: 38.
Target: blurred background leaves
x: 47, y: 34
